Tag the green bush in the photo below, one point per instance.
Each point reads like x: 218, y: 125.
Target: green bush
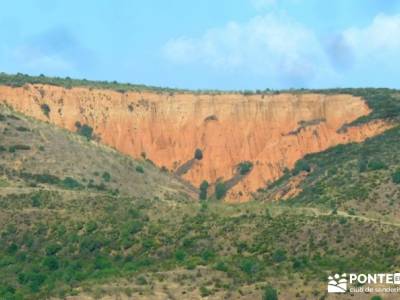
x: 198, y: 154
x: 203, y: 190
x: 84, y: 130
x: 301, y: 166
x: 180, y: 255
x: 52, y: 249
x: 139, y: 169
x: 71, y: 183
x: 14, y: 148
x: 245, y: 167
x: 270, y: 293
x: 396, y: 176
x: 220, y: 190
x: 279, y: 256
x: 375, y: 165
x: 106, y: 176
x: 45, y: 109
x: 51, y: 263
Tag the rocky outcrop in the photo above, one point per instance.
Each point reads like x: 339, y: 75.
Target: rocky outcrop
x: 271, y: 131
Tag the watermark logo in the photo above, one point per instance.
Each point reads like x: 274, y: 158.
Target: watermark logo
x: 337, y: 283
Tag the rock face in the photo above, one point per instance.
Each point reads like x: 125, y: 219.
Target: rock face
x: 271, y: 131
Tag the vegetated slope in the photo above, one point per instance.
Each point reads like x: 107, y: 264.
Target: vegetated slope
x: 99, y: 245
x: 270, y: 130
x: 358, y: 178
x: 36, y: 154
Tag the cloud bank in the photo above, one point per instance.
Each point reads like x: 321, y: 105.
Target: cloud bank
x: 277, y: 47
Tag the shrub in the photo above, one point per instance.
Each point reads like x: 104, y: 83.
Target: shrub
x: 71, y: 183
x: 203, y: 190
x: 22, y: 128
x: 249, y: 266
x: 91, y: 226
x: 14, y: 148
x: 139, y: 169
x: 198, y: 154
x: 375, y: 165
x: 180, y: 255
x: 220, y: 190
x: 270, y: 293
x: 245, y: 167
x: 51, y: 262
x: 106, y: 176
x: 52, y: 249
x: 279, y: 255
x: 301, y: 166
x: 396, y: 177
x: 84, y: 130
x: 45, y: 109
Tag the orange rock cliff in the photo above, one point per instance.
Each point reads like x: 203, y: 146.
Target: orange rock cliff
x: 271, y: 131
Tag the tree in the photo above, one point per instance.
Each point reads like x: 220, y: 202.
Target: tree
x: 270, y: 293
x: 198, y: 154
x: 220, y: 190
x: 203, y: 190
x: 245, y: 167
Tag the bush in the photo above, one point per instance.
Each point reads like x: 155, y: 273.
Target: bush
x: 84, y: 130
x: 301, y: 166
x: 180, y: 255
x: 375, y: 165
x: 279, y: 256
x: 106, y: 176
x: 396, y: 177
x: 198, y: 154
x: 203, y: 190
x: 45, y: 109
x: 139, y: 169
x: 220, y: 190
x: 270, y: 293
x: 52, y: 249
x: 14, y: 148
x: 245, y: 167
x: 51, y: 262
x: 70, y: 183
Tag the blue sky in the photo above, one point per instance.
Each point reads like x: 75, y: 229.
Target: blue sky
x: 223, y: 44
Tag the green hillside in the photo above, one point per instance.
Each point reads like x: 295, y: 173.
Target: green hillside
x: 77, y: 218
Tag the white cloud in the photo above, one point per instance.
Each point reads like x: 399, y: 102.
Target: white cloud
x: 269, y: 44
x: 376, y: 41
x: 274, y: 47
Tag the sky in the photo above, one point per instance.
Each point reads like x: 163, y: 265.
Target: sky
x: 207, y: 44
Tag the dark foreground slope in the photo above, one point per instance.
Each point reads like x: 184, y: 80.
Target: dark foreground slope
x: 62, y: 239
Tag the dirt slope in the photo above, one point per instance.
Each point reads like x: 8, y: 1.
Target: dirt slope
x: 271, y: 131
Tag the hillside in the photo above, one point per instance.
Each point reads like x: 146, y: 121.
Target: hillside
x: 271, y: 131
x: 80, y: 221
x: 36, y: 155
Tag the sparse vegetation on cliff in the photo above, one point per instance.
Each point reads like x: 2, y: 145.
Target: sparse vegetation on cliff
x: 45, y: 109
x: 245, y: 167
x: 220, y: 190
x: 84, y: 130
x: 198, y: 154
x: 203, y: 190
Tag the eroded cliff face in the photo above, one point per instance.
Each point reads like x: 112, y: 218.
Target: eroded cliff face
x: 271, y: 131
